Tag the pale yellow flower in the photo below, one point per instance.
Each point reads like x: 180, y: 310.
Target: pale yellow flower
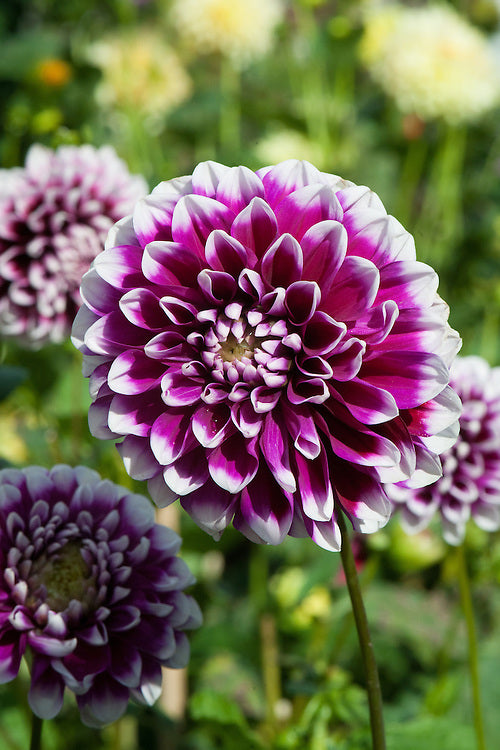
x: 287, y: 144
x: 140, y: 72
x: 432, y: 62
x: 239, y: 29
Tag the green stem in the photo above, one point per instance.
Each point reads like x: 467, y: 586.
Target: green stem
x: 366, y: 646
x: 466, y: 599
x: 36, y: 732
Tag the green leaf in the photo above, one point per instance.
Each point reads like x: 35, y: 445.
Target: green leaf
x: 430, y: 732
x: 10, y: 378
x: 207, y: 705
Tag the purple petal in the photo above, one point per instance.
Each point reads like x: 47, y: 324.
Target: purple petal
x: 325, y: 534
x: 302, y: 429
x: 314, y: 488
x: 322, y: 334
x: 411, y: 377
x: 120, y: 266
x: 368, y: 403
x: 46, y: 691
x: 126, y: 664
x: 211, y: 507
x: 180, y: 390
x: 255, y: 227
x: 409, y: 283
x: 355, y: 289
x: 12, y: 646
x: 152, y: 218
x: 195, y: 217
x: 142, y: 308
x: 187, y: 473
x: 275, y: 448
x: 165, y: 263
x: 225, y: 253
x: 137, y: 458
x: 101, y: 297
x: 377, y: 323
x: 133, y: 373
x: 305, y: 207
x: 287, y: 177
x: 130, y: 415
x: 265, y: 509
x: 434, y: 415
x: 363, y: 499
x: 113, y: 333
x: 104, y: 703
x: 234, y: 464
x: 218, y: 287
x: 282, y: 263
x: 206, y: 178
x: 210, y: 424
x: 301, y: 301
x: 324, y: 246
x: 377, y: 237
x: 171, y: 436
x: 238, y: 186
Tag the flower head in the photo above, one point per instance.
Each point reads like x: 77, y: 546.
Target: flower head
x: 91, y: 592
x: 470, y: 485
x: 55, y: 213
x: 432, y: 62
x: 236, y: 29
x: 141, y: 72
x: 270, y: 349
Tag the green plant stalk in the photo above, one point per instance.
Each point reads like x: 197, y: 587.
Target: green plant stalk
x: 468, y: 611
x: 366, y: 646
x: 36, y: 732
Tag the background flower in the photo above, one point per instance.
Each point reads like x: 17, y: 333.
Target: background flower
x: 470, y: 485
x: 91, y: 592
x: 55, y: 213
x: 234, y: 28
x: 432, y: 62
x: 270, y: 348
x: 141, y: 72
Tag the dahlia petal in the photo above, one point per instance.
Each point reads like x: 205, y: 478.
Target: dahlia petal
x: 322, y: 334
x: 137, y: 458
x: 187, y: 473
x: 234, y: 463
x: 324, y: 246
x: 354, y: 442
x: 49, y: 646
x: 104, y: 702
x: 12, y: 648
x: 179, y: 390
x: 46, y: 691
x: 217, y: 286
x: 211, y: 507
x: 305, y: 207
x: 274, y: 446
x: 171, y: 437
x: 347, y: 359
x: 267, y: 513
x: 132, y: 373
x: 282, y: 262
x: 420, y: 330
x: 325, y: 534
x: 412, y: 377
x: 165, y: 263
x: 409, y: 283
x: 225, y: 253
x: 300, y: 425
x: 378, y: 237
x: 126, y: 665
x: 149, y: 689
x: 160, y: 493
x: 152, y: 216
x: 314, y: 488
x: 303, y: 390
x: 435, y: 415
x: 207, y: 176
x: 195, y: 217
x: 237, y: 187
x: 178, y: 310
x: 255, y: 227
x: 286, y: 177
x: 131, y: 415
x: 98, y: 419
x: 359, y: 196
x: 120, y: 266
x: 247, y: 419
x: 98, y: 295
x: 364, y: 500
x: 487, y: 517
x: 356, y: 286
x: 301, y: 301
x: 112, y: 333
x: 368, y: 403
x: 210, y: 424
x: 377, y: 324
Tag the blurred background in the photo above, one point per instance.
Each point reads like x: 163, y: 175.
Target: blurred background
x: 402, y: 97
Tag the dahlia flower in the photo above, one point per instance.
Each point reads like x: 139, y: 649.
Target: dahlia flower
x: 470, y: 484
x: 237, y: 29
x: 140, y: 72
x: 91, y: 592
x: 55, y: 213
x: 432, y: 62
x: 270, y: 350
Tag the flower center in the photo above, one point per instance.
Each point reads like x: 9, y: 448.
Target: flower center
x: 59, y: 578
x: 232, y: 349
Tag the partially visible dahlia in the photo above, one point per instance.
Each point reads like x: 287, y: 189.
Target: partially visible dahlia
x: 470, y: 485
x: 270, y: 349
x: 55, y: 213
x: 91, y: 592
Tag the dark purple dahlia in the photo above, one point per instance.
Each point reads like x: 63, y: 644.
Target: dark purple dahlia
x: 91, y: 592
x: 270, y: 349
x: 470, y: 484
x: 55, y: 213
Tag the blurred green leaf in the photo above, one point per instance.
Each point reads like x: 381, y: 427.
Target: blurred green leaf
x: 10, y: 377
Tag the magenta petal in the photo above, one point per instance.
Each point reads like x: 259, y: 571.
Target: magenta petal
x: 211, y: 507
x: 126, y: 664
x: 120, y: 266
x: 435, y: 415
x: 366, y: 402
x: 421, y: 330
x: 165, y: 263
x: 133, y: 373
x: 363, y: 499
x: 301, y: 301
x: 187, y: 473
x: 12, y: 646
x: 180, y: 390
x: 325, y: 534
x: 237, y: 187
x: 356, y: 443
x: 142, y: 308
x: 171, y: 436
x: 234, y: 464
x: 347, y: 359
x: 101, y: 297
x: 113, y: 333
x: 302, y: 429
x: 210, y: 424
x: 132, y: 415
x: 206, y: 177
x: 195, y: 217
x: 152, y: 217
x: 314, y: 488
x: 324, y: 246
x: 282, y: 263
x: 356, y: 286
x: 225, y: 253
x: 137, y: 457
x: 411, y: 377
x: 275, y: 448
x: 409, y: 283
x: 246, y: 418
x: 305, y: 207
x: 286, y: 177
x: 218, y: 287
x: 266, y: 510
x: 377, y: 323
x: 255, y: 227
x: 46, y: 689
x: 322, y: 334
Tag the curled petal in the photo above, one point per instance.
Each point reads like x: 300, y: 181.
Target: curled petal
x: 255, y: 227
x: 234, y: 463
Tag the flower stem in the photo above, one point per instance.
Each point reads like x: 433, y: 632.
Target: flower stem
x: 36, y: 732
x: 466, y: 599
x: 366, y: 646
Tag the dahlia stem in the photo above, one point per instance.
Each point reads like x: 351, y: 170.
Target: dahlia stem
x: 468, y: 611
x: 36, y: 732
x: 366, y: 646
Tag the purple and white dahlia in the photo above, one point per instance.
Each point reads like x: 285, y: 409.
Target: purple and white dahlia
x: 470, y: 484
x: 91, y: 592
x: 270, y: 350
x: 55, y: 213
